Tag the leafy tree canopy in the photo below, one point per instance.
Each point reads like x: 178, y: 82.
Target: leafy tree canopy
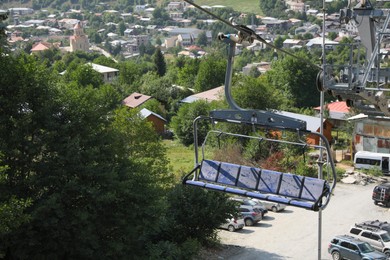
x: 78, y: 170
x: 295, y: 79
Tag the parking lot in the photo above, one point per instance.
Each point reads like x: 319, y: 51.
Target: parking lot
x: 293, y: 233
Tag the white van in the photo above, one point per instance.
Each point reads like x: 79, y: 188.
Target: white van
x: 369, y: 160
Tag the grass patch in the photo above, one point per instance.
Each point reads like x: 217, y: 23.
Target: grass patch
x: 248, y: 6
x: 181, y: 158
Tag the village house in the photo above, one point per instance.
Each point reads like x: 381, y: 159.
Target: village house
x: 176, y: 6
x: 289, y: 43
x: 157, y: 121
x: 135, y: 100
x: 67, y: 23
x: 316, y: 43
x: 262, y: 67
x: 371, y: 133
x: 188, y: 36
x: 20, y: 11
x: 208, y: 95
x: 296, y: 6
x: 108, y: 74
x: 337, y: 111
x: 313, y: 124
x: 308, y: 28
x: 41, y: 46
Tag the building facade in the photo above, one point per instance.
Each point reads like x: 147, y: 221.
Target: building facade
x: 371, y: 134
x: 79, y: 41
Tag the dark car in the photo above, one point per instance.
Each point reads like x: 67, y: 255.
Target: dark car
x: 348, y: 247
x: 251, y: 215
x: 245, y: 202
x: 381, y: 194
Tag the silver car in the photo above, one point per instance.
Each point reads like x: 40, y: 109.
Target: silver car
x: 233, y: 224
x: 275, y: 207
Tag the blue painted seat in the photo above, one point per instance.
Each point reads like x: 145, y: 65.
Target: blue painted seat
x: 286, y: 188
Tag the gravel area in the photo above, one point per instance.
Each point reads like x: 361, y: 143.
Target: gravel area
x: 293, y: 233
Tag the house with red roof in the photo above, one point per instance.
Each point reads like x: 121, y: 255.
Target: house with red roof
x: 135, y: 100
x: 338, y: 112
x: 41, y: 46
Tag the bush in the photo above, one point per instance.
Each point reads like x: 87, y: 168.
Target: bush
x: 196, y: 213
x: 171, y: 250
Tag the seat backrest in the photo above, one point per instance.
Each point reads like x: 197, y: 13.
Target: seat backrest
x: 262, y: 180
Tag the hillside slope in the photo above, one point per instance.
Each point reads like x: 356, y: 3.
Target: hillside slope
x: 251, y: 6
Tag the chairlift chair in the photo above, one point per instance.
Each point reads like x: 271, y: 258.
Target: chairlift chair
x: 256, y: 182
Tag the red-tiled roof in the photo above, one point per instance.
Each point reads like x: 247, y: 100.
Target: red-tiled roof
x: 135, y: 100
x: 41, y: 46
x: 339, y: 106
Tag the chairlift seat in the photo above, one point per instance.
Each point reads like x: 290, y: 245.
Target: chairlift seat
x: 263, y: 184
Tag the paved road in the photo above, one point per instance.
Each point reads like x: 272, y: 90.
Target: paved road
x: 293, y: 234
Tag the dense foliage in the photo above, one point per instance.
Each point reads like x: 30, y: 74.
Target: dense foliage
x: 83, y: 178
x: 295, y: 80
x: 272, y: 8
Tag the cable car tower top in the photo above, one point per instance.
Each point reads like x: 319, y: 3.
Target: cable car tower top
x: 363, y: 82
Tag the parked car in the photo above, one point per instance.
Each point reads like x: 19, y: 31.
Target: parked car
x: 245, y: 202
x: 233, y: 224
x: 381, y: 194
x: 275, y: 207
x: 374, y: 224
x: 251, y: 215
x: 348, y: 247
x: 378, y: 239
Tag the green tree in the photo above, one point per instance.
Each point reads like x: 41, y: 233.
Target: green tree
x: 272, y: 7
x: 95, y: 37
x: 155, y: 106
x: 254, y: 72
x: 130, y: 72
x: 190, y: 214
x: 161, y: 88
x: 159, y: 62
x: 279, y: 42
x: 332, y: 35
x: 121, y: 28
x: 3, y: 36
x: 105, y: 61
x: 202, y: 39
x: 182, y: 123
x: 254, y: 93
x: 83, y: 75
x: 211, y: 74
x: 82, y: 166
x: 187, y: 74
x: 295, y: 80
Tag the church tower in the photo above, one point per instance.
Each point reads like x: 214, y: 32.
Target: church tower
x: 79, y: 41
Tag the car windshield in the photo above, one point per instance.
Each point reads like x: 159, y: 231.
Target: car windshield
x: 365, y: 248
x: 250, y: 202
x: 385, y: 237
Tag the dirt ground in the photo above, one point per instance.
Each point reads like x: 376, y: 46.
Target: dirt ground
x: 294, y: 233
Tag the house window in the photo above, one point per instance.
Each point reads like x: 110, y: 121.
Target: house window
x: 368, y: 129
x: 383, y: 143
x: 378, y: 130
